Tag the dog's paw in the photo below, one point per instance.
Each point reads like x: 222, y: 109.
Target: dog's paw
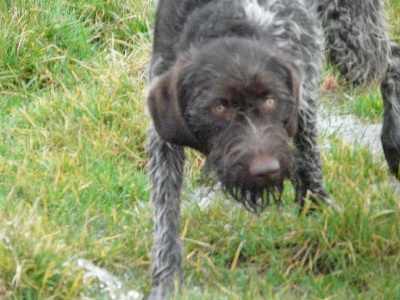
x: 159, y: 293
x: 391, y: 148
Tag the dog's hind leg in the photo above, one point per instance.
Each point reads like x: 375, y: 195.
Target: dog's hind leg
x: 355, y: 34
x: 166, y: 167
x: 390, y: 89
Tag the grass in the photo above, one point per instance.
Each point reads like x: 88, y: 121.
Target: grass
x: 73, y: 184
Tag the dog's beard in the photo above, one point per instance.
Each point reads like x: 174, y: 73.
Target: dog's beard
x: 257, y: 201
x: 232, y: 155
x: 255, y: 196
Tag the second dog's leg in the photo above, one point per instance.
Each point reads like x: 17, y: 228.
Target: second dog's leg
x: 390, y: 90
x: 356, y: 36
x: 166, y: 167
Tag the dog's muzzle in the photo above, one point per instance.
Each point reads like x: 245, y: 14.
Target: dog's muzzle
x: 252, y: 165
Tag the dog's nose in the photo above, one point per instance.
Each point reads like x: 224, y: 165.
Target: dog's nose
x: 265, y: 166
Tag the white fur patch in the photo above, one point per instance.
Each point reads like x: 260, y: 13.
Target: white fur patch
x: 256, y: 13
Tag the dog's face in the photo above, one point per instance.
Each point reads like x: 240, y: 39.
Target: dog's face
x: 236, y: 102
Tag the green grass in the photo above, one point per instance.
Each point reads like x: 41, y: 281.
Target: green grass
x: 365, y: 104
x: 73, y: 184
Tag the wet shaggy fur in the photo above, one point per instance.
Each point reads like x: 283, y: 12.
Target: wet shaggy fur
x: 238, y: 81
x: 355, y: 34
x: 390, y: 89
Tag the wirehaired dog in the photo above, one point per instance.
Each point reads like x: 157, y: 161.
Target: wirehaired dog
x: 238, y: 81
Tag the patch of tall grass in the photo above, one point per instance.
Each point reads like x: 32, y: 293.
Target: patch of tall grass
x: 73, y: 182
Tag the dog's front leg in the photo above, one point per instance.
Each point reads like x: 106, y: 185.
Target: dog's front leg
x: 390, y: 89
x: 166, y: 167
x: 309, y: 171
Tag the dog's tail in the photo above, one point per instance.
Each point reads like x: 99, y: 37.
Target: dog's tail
x: 356, y: 38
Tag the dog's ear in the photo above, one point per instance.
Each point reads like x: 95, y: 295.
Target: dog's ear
x: 165, y: 109
x: 294, y: 85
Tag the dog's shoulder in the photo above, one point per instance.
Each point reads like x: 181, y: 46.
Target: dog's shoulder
x: 171, y: 17
x: 185, y: 24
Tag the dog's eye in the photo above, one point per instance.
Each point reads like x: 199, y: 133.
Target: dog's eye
x: 221, y: 108
x: 269, y: 104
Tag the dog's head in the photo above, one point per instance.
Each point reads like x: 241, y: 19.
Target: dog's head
x: 236, y: 101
